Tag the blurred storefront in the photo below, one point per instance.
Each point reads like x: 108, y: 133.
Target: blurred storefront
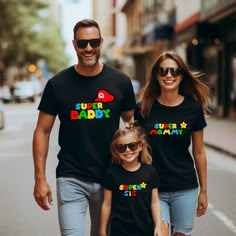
x: 223, y: 14
x: 149, y: 33
x: 202, y: 32
x: 209, y: 40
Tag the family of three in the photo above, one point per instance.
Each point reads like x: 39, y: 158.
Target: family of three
x: 137, y: 180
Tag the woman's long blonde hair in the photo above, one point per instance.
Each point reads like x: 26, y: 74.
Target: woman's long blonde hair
x: 191, y: 86
x: 145, y: 154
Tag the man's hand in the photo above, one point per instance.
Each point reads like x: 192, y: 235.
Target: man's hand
x: 43, y: 194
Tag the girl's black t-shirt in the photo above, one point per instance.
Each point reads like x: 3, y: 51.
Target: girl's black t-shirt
x: 89, y: 110
x: 169, y: 131
x: 131, y: 200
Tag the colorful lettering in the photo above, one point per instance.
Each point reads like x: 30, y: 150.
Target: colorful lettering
x: 89, y: 114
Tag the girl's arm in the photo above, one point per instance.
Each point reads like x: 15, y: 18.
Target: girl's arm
x: 156, y: 212
x: 199, y: 156
x: 105, y: 212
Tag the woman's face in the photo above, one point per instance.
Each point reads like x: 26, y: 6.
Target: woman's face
x: 169, y: 75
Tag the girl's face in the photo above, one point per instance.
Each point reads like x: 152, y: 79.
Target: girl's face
x: 128, y: 148
x: 169, y: 75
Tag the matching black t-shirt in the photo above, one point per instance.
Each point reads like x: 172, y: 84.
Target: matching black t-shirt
x: 89, y: 110
x: 131, y: 200
x: 169, y: 131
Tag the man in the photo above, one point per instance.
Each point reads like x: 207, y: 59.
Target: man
x: 89, y: 99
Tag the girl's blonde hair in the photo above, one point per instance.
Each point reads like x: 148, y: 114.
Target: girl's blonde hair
x: 191, y: 86
x: 144, y: 155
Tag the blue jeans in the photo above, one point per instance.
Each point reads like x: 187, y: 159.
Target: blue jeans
x: 179, y: 209
x: 73, y: 197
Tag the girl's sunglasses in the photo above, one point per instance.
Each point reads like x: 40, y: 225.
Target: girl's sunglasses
x: 82, y: 43
x: 121, y: 148
x: 174, y: 71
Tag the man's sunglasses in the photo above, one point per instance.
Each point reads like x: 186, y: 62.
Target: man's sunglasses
x: 121, y: 148
x: 174, y: 71
x: 82, y: 43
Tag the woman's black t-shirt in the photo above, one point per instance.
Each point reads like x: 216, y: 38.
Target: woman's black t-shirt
x: 169, y: 131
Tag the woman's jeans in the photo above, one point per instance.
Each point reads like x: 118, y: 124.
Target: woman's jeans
x: 73, y: 197
x: 179, y: 209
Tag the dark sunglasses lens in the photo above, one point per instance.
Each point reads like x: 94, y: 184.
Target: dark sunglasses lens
x: 122, y: 147
x: 132, y: 146
x: 163, y: 71
x: 82, y: 43
x: 94, y: 43
x: 175, y: 71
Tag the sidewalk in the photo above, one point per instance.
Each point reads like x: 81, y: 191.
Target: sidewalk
x: 220, y: 134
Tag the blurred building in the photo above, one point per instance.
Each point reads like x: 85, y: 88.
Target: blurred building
x: 113, y: 27
x: 149, y: 31
x: 114, y: 30
x: 202, y: 32
x: 205, y: 31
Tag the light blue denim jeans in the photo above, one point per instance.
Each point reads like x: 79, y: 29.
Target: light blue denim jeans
x: 179, y: 209
x: 73, y: 198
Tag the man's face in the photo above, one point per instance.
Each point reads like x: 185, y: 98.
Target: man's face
x: 88, y: 52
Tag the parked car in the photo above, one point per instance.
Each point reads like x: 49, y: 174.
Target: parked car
x: 5, y: 93
x: 2, y: 121
x: 38, y: 86
x: 24, y: 90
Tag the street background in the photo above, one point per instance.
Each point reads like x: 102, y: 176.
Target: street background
x: 36, y: 42
x: 20, y: 215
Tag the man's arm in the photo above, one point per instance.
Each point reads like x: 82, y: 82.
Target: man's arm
x: 42, y: 190
x: 128, y: 116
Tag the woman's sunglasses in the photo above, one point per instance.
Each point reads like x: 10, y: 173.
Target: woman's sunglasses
x: 82, y: 43
x: 121, y: 148
x: 174, y: 71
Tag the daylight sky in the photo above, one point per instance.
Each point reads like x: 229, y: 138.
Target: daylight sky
x: 73, y: 11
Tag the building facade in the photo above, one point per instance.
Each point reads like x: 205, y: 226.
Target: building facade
x: 207, y: 36
x: 202, y: 32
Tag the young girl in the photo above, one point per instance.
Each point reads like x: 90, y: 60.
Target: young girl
x: 130, y: 188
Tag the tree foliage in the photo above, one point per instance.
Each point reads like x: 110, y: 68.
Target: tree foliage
x: 27, y: 35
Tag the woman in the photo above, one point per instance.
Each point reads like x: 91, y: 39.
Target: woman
x: 171, y: 109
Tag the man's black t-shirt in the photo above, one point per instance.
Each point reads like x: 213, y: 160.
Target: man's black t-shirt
x: 169, y: 131
x: 89, y: 110
x: 131, y: 200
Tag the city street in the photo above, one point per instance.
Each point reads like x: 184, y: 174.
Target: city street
x: 20, y: 216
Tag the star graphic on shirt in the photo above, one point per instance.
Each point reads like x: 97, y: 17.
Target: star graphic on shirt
x: 143, y: 185
x: 183, y: 125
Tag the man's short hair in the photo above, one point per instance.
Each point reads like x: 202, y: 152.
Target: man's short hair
x: 86, y: 23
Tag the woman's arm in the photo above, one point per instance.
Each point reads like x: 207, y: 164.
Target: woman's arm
x: 199, y: 156
x: 105, y: 212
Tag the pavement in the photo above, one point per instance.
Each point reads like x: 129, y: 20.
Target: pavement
x: 220, y: 134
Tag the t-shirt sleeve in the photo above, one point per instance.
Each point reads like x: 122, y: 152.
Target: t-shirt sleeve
x: 155, y: 177
x: 48, y: 101
x: 137, y: 115
x: 200, y: 121
x: 129, y: 99
x: 107, y: 181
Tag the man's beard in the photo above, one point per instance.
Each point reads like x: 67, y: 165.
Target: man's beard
x: 88, y: 63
